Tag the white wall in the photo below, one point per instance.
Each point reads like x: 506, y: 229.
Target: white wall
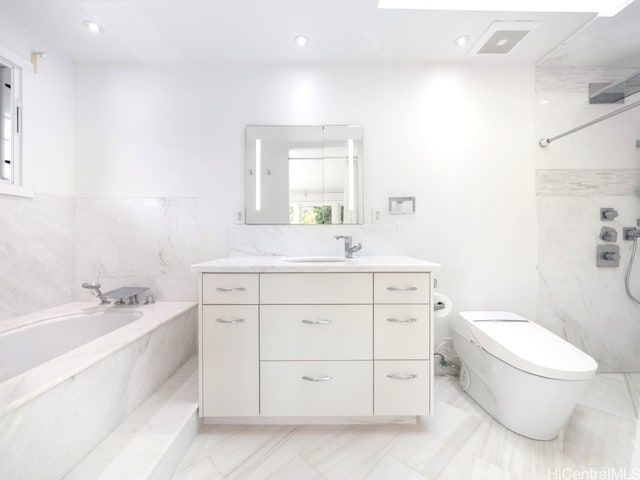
x: 459, y: 138
x: 48, y: 110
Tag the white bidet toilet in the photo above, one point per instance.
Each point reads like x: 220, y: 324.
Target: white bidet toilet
x: 524, y: 376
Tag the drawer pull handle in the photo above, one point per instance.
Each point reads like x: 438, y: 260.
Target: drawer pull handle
x: 237, y: 289
x: 411, y: 376
x: 317, y: 322
x: 402, y: 289
x: 317, y: 379
x: 406, y: 320
x: 235, y: 320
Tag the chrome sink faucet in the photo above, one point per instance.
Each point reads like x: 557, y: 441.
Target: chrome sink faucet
x: 349, y: 248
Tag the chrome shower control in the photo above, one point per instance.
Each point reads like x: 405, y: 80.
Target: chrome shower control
x: 608, y: 256
x: 607, y: 214
x: 608, y: 234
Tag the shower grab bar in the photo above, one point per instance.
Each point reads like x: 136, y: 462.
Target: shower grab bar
x: 546, y: 141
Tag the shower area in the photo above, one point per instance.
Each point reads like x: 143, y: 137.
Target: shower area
x: 588, y: 196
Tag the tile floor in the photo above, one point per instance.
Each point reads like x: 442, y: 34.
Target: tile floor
x: 460, y: 442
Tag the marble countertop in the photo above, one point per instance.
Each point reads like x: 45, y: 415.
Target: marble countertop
x: 282, y: 264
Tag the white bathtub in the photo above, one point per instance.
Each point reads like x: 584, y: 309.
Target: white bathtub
x: 23, y: 348
x: 71, y: 374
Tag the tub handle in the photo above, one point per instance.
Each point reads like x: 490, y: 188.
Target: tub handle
x: 326, y: 378
x: 235, y: 320
x: 237, y: 289
x: 407, y: 320
x: 402, y: 289
x: 394, y: 376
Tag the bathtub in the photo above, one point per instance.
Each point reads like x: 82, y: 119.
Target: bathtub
x: 69, y: 375
x: 25, y: 347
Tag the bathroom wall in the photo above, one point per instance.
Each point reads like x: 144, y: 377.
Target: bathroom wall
x: 457, y: 137
x: 575, y: 177
x: 149, y: 242
x: 36, y: 235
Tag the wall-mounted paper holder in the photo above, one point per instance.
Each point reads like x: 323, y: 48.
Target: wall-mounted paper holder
x: 402, y: 205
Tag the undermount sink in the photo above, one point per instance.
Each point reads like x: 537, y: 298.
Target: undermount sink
x: 315, y: 259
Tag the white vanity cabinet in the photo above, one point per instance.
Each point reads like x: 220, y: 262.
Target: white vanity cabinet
x: 402, y: 343
x: 229, y: 332
x: 341, y: 341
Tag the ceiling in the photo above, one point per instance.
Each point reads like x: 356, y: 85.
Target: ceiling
x: 340, y: 31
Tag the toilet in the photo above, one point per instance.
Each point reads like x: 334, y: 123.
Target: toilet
x: 524, y: 376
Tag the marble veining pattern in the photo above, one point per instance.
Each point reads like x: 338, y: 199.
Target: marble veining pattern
x: 36, y: 253
x: 578, y: 182
x: 91, y: 402
x: 137, y: 241
x: 575, y: 79
x: 585, y: 304
x: 460, y: 441
x: 306, y: 240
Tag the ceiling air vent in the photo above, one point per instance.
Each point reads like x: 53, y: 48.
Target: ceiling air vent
x: 501, y: 37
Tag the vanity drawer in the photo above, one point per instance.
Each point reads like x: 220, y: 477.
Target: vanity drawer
x: 315, y: 288
x: 401, y: 387
x: 230, y: 365
x: 401, y: 287
x: 229, y: 288
x: 401, y: 332
x: 300, y: 389
x: 316, y: 332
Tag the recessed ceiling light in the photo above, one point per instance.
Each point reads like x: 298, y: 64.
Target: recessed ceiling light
x: 604, y: 8
x: 461, y: 41
x: 300, y: 40
x: 93, y: 26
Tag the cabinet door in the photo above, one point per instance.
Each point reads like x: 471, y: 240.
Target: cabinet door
x: 230, y: 365
x: 401, y: 387
x: 301, y: 389
x: 230, y: 288
x: 401, y: 332
x: 316, y: 332
x: 402, y: 288
x: 314, y: 288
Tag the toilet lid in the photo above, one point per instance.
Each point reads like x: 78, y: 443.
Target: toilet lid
x: 528, y: 346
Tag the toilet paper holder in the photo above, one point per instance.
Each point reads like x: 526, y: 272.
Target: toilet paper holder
x: 439, y: 306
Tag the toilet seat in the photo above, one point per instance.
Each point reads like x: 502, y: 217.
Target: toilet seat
x: 527, y: 346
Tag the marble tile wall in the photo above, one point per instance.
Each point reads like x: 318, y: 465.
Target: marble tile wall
x: 301, y: 240
x: 577, y: 176
x: 137, y: 242
x: 36, y: 253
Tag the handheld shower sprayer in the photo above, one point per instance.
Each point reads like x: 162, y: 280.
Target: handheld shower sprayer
x: 631, y: 233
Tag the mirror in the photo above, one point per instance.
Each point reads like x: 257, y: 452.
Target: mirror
x: 9, y: 122
x: 304, y: 174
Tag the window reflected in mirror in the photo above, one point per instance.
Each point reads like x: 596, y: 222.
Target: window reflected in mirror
x: 305, y: 175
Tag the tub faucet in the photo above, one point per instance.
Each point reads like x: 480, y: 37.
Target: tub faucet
x: 96, y: 289
x: 349, y: 248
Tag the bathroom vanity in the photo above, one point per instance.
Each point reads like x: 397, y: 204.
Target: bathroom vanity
x: 288, y: 339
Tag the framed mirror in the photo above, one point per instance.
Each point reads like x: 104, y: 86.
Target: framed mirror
x: 304, y: 175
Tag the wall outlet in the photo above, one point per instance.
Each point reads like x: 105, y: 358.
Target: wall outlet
x: 376, y: 215
x: 238, y: 216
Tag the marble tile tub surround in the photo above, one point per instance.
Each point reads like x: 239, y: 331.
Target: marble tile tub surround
x: 36, y: 253
x: 91, y: 390
x: 137, y: 241
x: 316, y: 240
x: 460, y: 442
